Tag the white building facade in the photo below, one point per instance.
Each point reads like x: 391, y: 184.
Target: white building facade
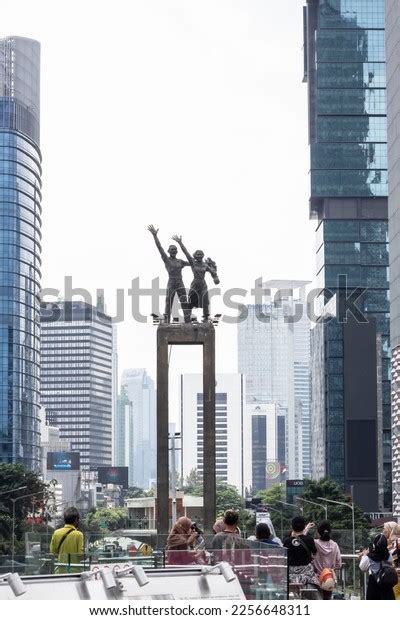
x: 229, y: 397
x: 274, y: 356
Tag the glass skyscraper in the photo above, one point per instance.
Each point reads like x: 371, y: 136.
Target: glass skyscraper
x: 124, y: 435
x: 346, y: 74
x: 139, y: 387
x: 20, y: 249
x: 393, y: 112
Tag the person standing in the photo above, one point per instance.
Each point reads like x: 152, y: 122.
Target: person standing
x: 391, y: 530
x: 181, y: 542
x: 230, y: 536
x: 67, y: 543
x: 327, y: 557
x: 371, y: 562
x: 301, y: 549
x: 263, y: 535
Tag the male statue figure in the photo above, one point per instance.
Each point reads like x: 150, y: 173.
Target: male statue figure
x: 175, y: 284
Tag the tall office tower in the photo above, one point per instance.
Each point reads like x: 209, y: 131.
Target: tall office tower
x: 139, y: 387
x: 20, y: 249
x: 76, y: 377
x: 123, y: 435
x: 229, y: 401
x: 345, y: 70
x: 264, y: 445
x: 274, y: 356
x: 393, y: 112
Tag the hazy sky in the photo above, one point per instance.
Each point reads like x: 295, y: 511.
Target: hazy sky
x: 190, y: 115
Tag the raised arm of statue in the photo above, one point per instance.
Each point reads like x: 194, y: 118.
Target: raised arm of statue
x: 154, y: 232
x: 178, y: 239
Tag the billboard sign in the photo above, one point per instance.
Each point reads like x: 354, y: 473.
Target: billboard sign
x: 293, y: 488
x: 113, y: 475
x: 63, y: 461
x: 295, y: 483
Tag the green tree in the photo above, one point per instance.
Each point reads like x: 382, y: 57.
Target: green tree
x: 135, y: 492
x: 193, y: 484
x: 271, y: 495
x: 339, y: 516
x: 13, y: 477
x: 281, y: 515
x: 228, y: 497
x: 105, y: 520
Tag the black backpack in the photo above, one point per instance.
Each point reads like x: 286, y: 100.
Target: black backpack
x: 386, y: 577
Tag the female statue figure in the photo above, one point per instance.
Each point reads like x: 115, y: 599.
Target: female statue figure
x: 198, y: 294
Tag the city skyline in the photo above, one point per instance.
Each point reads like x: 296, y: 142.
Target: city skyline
x: 249, y: 245
x: 203, y: 76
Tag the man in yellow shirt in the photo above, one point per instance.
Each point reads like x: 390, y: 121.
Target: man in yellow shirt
x: 67, y: 543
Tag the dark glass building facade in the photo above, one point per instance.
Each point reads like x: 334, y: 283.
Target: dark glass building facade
x: 346, y: 74
x: 20, y: 249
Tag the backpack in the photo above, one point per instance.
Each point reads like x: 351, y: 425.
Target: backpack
x: 386, y: 577
x: 327, y: 579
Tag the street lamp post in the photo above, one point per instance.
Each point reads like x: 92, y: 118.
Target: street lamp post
x: 307, y: 501
x: 173, y: 474
x: 293, y: 505
x: 12, y: 490
x: 281, y: 515
x: 351, y: 506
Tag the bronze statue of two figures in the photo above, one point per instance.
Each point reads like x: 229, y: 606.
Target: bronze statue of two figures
x: 198, y: 293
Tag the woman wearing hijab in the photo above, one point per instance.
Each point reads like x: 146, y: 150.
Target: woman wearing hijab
x: 219, y: 526
x: 391, y: 530
x: 180, y: 542
x: 371, y: 562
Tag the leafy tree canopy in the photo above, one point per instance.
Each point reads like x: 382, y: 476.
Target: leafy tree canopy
x: 106, y: 519
x: 339, y: 516
x: 134, y: 492
x: 15, y: 476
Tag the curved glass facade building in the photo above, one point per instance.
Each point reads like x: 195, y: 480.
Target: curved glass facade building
x: 20, y: 249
